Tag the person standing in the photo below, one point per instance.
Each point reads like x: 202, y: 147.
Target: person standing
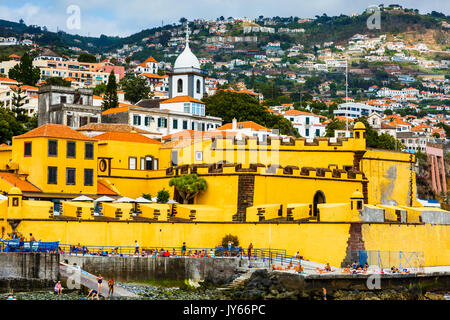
x: 136, y: 245
x: 111, y: 287
x: 99, y: 283
x: 183, y: 249
x: 250, y: 248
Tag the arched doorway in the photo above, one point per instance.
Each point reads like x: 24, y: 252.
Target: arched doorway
x: 319, y: 197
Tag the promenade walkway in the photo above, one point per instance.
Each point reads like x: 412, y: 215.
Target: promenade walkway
x: 77, y: 278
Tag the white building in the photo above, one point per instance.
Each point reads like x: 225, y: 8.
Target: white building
x: 307, y: 124
x: 356, y: 110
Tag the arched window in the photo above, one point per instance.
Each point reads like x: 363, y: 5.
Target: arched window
x: 180, y: 85
x: 198, y: 86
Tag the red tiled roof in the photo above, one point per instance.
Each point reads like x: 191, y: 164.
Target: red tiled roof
x: 297, y: 113
x: 182, y: 99
x: 15, y: 181
x: 126, y: 136
x: 246, y: 125
x: 55, y: 131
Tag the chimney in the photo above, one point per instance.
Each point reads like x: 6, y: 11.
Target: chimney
x: 234, y: 127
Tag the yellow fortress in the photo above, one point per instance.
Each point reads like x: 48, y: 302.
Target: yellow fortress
x: 325, y: 198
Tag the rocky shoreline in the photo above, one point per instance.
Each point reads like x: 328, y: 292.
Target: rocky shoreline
x: 263, y: 285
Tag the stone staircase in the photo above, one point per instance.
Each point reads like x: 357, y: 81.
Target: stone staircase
x: 236, y: 282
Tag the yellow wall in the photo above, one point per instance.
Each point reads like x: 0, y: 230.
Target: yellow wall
x: 36, y: 165
x: 433, y: 241
x: 389, y: 177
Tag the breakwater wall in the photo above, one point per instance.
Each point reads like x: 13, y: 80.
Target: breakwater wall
x: 218, y: 270
x: 28, y: 271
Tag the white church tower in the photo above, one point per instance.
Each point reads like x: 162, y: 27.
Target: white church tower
x: 187, y: 79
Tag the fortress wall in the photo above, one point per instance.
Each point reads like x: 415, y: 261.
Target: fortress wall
x: 389, y: 177
x: 432, y: 240
x: 318, y: 242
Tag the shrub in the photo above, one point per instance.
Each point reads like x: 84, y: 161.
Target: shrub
x: 233, y: 239
x: 162, y: 196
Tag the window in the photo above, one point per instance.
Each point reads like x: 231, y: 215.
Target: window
x: 142, y: 163
x: 203, y: 127
x: 317, y: 133
x: 71, y: 149
x: 187, y: 108
x: 63, y: 99
x: 88, y: 177
x: 136, y: 120
x: 83, y: 121
x: 175, y: 124
x: 93, y: 120
x: 27, y: 149
x: 180, y: 85
x: 198, y: 156
x: 147, y: 121
x: 148, y: 163
x: 307, y: 120
x: 88, y: 151
x: 198, y: 86
x: 52, y: 148
x: 70, y: 176
x: 185, y: 124
x: 52, y: 175
x: 69, y: 120
x: 132, y: 163
x: 307, y: 132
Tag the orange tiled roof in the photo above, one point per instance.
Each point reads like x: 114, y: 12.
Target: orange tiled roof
x: 14, y: 180
x: 116, y: 110
x: 152, y: 75
x: 246, y: 124
x: 117, y: 127
x: 181, y: 99
x: 3, y: 79
x: 297, y: 113
x: 150, y: 59
x: 399, y: 122
x: 55, y: 131
x: 126, y: 136
x: 104, y: 189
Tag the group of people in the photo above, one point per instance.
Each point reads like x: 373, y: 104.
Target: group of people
x: 93, y: 294
x: 298, y: 268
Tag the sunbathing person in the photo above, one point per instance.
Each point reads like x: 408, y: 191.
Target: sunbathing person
x: 347, y: 270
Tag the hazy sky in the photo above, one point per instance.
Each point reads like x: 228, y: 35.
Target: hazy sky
x: 124, y: 17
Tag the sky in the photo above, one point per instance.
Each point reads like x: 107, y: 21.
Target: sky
x: 125, y: 17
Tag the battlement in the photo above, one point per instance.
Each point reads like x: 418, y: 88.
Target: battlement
x: 331, y: 172
x: 278, y: 143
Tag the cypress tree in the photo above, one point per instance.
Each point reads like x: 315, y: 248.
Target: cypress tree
x: 25, y: 72
x: 110, y: 99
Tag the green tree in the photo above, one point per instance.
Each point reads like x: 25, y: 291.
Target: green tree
x: 162, y: 196
x: 99, y: 89
x: 228, y: 105
x: 188, y: 186
x: 147, y: 196
x: 24, y: 72
x: 229, y: 237
x: 334, y: 125
x: 10, y: 126
x: 18, y: 98
x: 110, y: 99
x: 57, y: 81
x: 86, y: 57
x: 135, y: 88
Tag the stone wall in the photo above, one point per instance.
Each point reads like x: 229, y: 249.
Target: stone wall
x: 158, y: 268
x: 28, y: 271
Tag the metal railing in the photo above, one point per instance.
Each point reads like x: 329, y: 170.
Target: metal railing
x: 256, y: 253
x: 388, y: 259
x: 15, y: 245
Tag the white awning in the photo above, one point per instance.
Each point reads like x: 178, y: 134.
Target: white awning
x: 82, y: 198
